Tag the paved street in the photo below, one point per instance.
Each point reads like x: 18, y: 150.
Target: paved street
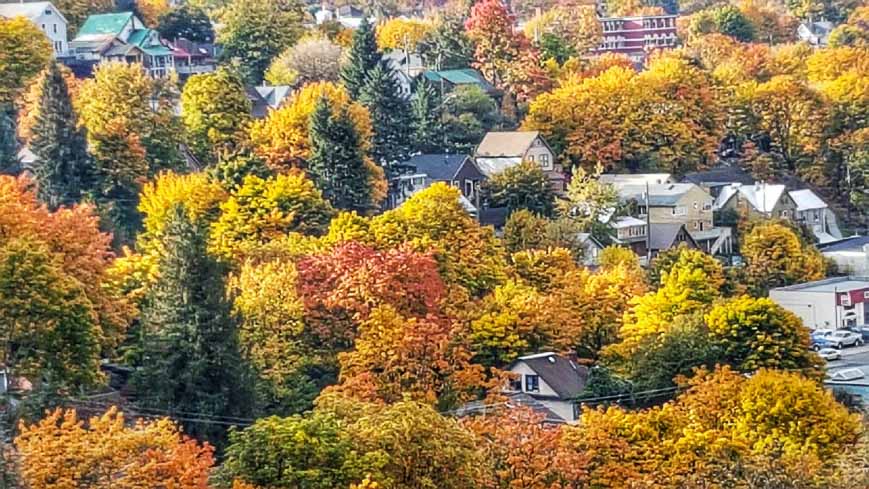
x: 851, y: 357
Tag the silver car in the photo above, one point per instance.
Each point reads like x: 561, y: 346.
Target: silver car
x: 843, y: 337
x: 830, y: 354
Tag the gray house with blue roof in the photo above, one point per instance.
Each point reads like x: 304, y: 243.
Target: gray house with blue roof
x: 457, y: 170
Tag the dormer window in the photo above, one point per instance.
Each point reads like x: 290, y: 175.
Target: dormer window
x: 532, y: 383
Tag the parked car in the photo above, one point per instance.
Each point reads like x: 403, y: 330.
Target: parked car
x: 821, y: 333
x: 819, y: 344
x: 830, y: 354
x: 843, y: 337
x: 864, y: 332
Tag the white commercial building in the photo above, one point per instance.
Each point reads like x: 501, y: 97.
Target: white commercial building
x: 46, y: 17
x: 832, y: 303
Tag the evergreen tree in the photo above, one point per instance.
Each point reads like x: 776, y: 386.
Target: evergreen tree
x: 425, y: 120
x: 64, y: 169
x: 191, y: 362
x: 362, y: 58
x: 337, y: 163
x: 8, y: 140
x: 390, y: 116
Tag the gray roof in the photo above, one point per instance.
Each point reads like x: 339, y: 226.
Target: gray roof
x: 662, y: 236
x: 506, y: 144
x: 854, y: 243
x: 564, y: 376
x: 30, y: 10
x: 835, y: 284
x: 719, y: 175
x: 660, y: 195
x: 439, y: 167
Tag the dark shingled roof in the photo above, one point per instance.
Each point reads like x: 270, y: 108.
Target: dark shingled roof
x: 439, y: 167
x: 564, y: 376
x: 662, y: 236
x: 721, y: 175
x: 854, y: 243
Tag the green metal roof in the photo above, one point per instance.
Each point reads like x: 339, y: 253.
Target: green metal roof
x: 139, y: 36
x: 104, y: 24
x: 465, y: 76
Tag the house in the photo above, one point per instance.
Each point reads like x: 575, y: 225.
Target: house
x: 348, y: 16
x: 450, y: 79
x: 815, y: 214
x: 192, y: 58
x: 499, y: 151
x: 677, y: 203
x: 45, y: 16
x: 663, y: 236
x: 714, y: 179
x: 591, y: 249
x: 406, y: 67
x: 835, y: 303
x: 632, y: 233
x: 759, y: 200
x: 120, y: 37
x: 851, y: 255
x: 553, y: 380
x: 622, y: 179
x: 458, y: 170
x: 637, y: 36
x: 816, y: 34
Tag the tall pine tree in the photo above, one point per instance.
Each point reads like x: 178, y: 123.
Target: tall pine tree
x: 8, y: 140
x: 63, y: 168
x: 361, y: 59
x: 425, y: 119
x: 337, y: 162
x: 191, y: 364
x: 390, y: 118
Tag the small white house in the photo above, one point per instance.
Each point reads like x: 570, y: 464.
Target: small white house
x: 851, y: 255
x: 46, y: 16
x: 551, y: 379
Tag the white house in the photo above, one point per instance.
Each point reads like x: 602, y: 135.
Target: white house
x: 815, y: 214
x: 551, y: 379
x: 46, y: 16
x: 831, y: 303
x: 817, y: 33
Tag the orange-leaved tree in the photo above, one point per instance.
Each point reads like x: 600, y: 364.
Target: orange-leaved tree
x: 63, y: 452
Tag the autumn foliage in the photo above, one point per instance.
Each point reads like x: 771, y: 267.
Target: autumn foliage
x: 63, y: 452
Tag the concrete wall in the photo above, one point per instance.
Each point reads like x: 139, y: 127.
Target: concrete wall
x: 818, y: 310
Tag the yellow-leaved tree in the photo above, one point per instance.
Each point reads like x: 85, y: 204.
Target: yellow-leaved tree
x: 282, y: 138
x: 398, y: 33
x: 774, y: 257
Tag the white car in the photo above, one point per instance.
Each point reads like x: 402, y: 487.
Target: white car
x: 830, y: 354
x: 843, y: 337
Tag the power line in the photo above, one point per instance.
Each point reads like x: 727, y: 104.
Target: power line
x: 152, y: 413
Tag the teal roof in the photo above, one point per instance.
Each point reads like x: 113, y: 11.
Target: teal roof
x: 157, y: 51
x: 139, y: 36
x: 465, y: 76
x: 104, y: 24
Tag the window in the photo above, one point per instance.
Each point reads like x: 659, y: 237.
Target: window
x: 469, y: 188
x: 784, y: 213
x: 531, y: 158
x: 43, y: 28
x: 696, y: 205
x: 54, y: 28
x: 707, y: 206
x: 679, y: 210
x: 866, y: 294
x: 696, y: 225
x: 641, y: 210
x: 47, y: 11
x: 532, y: 383
x: 516, y: 384
x: 544, y: 161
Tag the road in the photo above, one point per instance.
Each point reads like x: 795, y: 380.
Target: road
x: 857, y: 356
